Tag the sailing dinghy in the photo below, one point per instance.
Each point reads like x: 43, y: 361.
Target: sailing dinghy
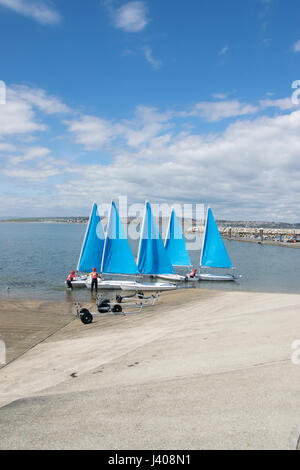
x: 117, y: 258
x: 152, y: 256
x: 213, y: 253
x: 92, y: 248
x: 176, y: 249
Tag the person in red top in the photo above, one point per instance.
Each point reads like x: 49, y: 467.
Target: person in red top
x: 70, y: 278
x: 193, y: 273
x: 95, y: 277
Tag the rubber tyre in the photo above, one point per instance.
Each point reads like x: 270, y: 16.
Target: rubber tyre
x: 104, y: 307
x: 86, y: 317
x: 117, y: 309
x: 83, y: 310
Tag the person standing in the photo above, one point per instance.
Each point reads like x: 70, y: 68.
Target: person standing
x: 70, y: 278
x: 95, y: 276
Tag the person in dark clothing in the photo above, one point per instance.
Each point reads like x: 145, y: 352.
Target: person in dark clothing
x: 95, y: 276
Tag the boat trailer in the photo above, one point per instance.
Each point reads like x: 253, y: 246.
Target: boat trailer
x: 118, y: 305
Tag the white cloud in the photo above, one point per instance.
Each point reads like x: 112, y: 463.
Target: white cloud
x: 283, y: 103
x: 17, y: 117
x: 7, y: 147
x: 31, y: 153
x: 131, y: 17
x: 213, y: 111
x: 41, y: 100
x: 94, y: 133
x: 224, y: 50
x: 19, y: 114
x: 242, y: 172
x: 39, y: 10
x: 21, y: 120
x: 220, y: 96
x: 149, y: 57
x: 31, y: 174
x: 146, y: 125
x: 296, y: 46
x: 91, y: 132
x: 249, y: 170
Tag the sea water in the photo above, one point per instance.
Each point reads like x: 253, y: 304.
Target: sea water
x: 35, y: 259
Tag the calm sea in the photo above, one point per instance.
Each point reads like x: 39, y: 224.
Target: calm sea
x: 35, y: 259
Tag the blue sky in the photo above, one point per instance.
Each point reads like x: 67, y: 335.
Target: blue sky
x: 172, y: 101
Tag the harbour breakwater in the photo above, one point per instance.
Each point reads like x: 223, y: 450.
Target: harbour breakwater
x: 269, y: 236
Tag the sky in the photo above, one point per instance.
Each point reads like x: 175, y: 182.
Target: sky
x: 173, y: 101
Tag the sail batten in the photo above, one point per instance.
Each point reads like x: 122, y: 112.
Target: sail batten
x: 93, y: 243
x: 117, y: 255
x: 175, y: 244
x: 152, y: 257
x: 214, y: 253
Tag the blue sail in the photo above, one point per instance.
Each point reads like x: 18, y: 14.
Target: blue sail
x: 175, y: 244
x: 117, y: 257
x: 92, y: 247
x: 214, y: 253
x: 152, y: 258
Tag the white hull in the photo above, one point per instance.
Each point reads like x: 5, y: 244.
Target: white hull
x: 171, y: 277
x: 216, y: 277
x: 212, y: 277
x: 132, y: 285
x: 79, y: 281
x: 151, y: 286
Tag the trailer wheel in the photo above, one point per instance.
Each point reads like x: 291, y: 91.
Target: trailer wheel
x: 83, y: 310
x: 85, y: 316
x: 104, y: 307
x: 116, y: 309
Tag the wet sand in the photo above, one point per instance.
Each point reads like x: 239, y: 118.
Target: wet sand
x: 200, y: 370
x: 24, y: 324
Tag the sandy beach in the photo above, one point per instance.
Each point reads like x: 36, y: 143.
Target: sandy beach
x: 200, y: 370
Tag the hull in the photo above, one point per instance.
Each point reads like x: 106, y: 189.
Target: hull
x: 171, y: 277
x: 151, y: 286
x: 109, y: 285
x: 132, y: 285
x: 212, y: 277
x: 215, y: 277
x: 79, y: 281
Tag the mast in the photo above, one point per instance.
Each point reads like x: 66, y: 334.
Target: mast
x: 204, y: 236
x: 108, y: 224
x: 169, y: 227
x: 86, y: 232
x: 142, y: 232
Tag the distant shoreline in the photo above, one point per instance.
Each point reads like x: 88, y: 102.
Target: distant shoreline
x: 190, y: 226
x: 264, y: 242
x: 38, y: 221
